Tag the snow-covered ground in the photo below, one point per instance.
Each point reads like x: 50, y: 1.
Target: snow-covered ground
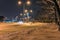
x: 33, y: 31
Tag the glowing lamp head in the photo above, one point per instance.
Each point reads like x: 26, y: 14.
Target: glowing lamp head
x: 31, y: 11
x: 19, y: 2
x: 26, y: 11
x: 28, y: 2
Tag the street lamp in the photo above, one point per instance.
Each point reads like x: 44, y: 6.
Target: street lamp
x: 28, y: 2
x: 31, y: 11
x: 24, y: 14
x: 26, y: 11
x: 19, y: 2
x: 20, y: 14
x: 24, y: 5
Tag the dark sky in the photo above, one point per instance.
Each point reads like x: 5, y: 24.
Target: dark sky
x: 8, y: 8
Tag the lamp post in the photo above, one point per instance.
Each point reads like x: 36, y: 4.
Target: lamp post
x: 24, y: 5
x: 27, y: 14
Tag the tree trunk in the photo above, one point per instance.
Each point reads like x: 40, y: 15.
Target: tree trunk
x: 58, y: 13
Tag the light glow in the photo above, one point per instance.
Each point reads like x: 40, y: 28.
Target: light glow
x: 21, y: 14
x: 19, y: 2
x: 26, y: 11
x: 20, y: 22
x: 28, y: 2
x: 31, y: 11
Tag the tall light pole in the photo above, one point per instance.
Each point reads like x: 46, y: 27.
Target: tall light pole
x: 24, y: 5
x: 27, y: 12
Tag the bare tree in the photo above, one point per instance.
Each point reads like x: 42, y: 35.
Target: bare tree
x: 57, y: 14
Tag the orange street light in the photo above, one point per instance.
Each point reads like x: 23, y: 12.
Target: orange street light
x: 19, y: 2
x: 28, y: 2
x: 26, y: 11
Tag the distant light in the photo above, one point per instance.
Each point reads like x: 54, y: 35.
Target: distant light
x: 31, y: 11
x: 20, y: 22
x: 24, y: 14
x: 21, y: 14
x: 19, y: 2
x: 28, y: 2
x: 26, y: 11
x: 28, y: 15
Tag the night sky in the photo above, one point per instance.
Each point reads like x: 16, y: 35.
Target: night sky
x: 8, y: 8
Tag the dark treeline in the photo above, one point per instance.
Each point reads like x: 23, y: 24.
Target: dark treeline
x: 47, y: 11
x: 2, y: 18
x: 58, y: 13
